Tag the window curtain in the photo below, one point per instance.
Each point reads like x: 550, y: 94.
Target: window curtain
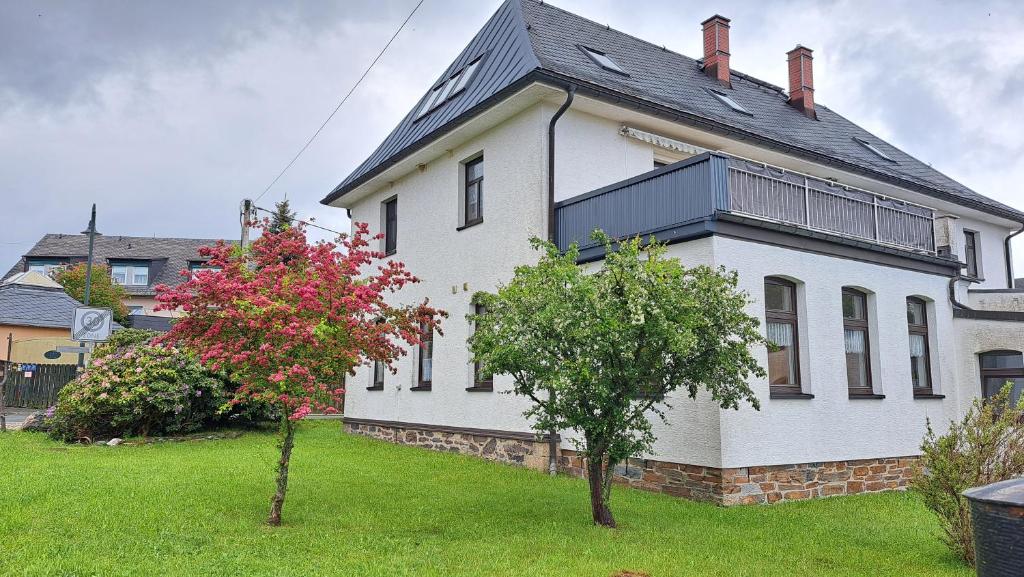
x: 854, y: 342
x: 781, y: 334
x: 916, y: 345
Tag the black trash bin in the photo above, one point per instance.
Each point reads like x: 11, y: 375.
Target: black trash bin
x: 997, y: 514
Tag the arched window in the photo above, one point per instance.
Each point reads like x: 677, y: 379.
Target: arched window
x: 999, y: 368
x: 857, y: 342
x: 781, y: 324
x: 920, y: 362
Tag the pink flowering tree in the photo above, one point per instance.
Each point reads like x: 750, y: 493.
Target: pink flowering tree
x: 288, y: 320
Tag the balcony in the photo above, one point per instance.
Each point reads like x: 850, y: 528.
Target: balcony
x: 685, y: 199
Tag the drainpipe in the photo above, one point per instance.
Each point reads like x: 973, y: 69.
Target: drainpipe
x: 952, y: 294
x: 570, y: 92
x: 1006, y: 255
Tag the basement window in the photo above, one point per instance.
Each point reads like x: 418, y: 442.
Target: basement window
x: 726, y: 100
x: 863, y: 142
x: 603, y: 60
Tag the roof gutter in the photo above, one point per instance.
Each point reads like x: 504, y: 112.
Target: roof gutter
x: 1008, y: 256
x: 570, y: 92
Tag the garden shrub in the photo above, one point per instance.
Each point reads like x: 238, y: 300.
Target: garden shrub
x: 137, y: 390
x: 985, y: 447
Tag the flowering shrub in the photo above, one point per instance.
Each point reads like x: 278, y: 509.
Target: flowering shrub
x: 288, y: 320
x: 137, y: 390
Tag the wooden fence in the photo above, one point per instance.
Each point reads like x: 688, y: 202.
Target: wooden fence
x: 37, y: 388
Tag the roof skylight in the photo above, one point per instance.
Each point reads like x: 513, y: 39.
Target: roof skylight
x: 448, y: 89
x: 864, y: 142
x: 726, y: 100
x: 603, y: 60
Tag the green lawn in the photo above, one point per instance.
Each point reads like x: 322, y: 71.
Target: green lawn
x: 365, y: 508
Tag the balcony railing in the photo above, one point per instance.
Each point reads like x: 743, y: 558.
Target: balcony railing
x: 674, y: 201
x: 817, y: 204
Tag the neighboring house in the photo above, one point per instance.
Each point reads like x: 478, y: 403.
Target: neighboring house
x: 38, y: 313
x: 885, y: 284
x: 137, y: 263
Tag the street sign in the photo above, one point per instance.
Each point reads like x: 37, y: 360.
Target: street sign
x: 92, y: 324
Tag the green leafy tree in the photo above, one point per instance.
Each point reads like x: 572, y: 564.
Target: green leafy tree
x: 282, y: 218
x: 986, y: 446
x: 103, y: 292
x: 601, y: 352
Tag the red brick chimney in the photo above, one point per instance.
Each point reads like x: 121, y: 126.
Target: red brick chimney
x: 801, y: 80
x: 716, y: 48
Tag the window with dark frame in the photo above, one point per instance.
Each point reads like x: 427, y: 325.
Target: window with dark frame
x: 971, y: 253
x: 378, y: 375
x: 920, y: 362
x: 781, y: 324
x: 426, y: 361
x: 473, y: 192
x: 999, y: 368
x: 390, y: 226
x: 482, y: 381
x: 857, y: 342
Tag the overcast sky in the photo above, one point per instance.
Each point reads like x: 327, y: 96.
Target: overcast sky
x: 166, y: 114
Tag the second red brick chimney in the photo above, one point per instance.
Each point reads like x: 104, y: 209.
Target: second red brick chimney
x: 801, y: 80
x: 716, y: 48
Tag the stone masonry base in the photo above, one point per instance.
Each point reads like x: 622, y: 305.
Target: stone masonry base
x: 728, y: 486
x: 764, y: 484
x: 502, y: 446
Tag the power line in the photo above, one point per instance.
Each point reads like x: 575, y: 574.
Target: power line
x: 307, y: 223
x: 336, y: 108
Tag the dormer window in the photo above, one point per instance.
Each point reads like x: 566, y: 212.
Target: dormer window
x: 603, y: 60
x: 130, y: 274
x: 873, y: 148
x: 728, y: 101
x: 45, y: 265
x: 448, y: 89
x: 198, y: 267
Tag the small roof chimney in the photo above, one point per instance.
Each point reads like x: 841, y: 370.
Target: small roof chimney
x: 801, y: 80
x: 716, y: 48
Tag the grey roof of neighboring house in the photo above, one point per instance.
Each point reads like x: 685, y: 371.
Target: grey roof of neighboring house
x: 34, y: 306
x: 1018, y: 283
x: 168, y: 256
x: 528, y: 41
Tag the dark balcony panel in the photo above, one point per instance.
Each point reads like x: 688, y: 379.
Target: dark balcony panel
x: 670, y: 197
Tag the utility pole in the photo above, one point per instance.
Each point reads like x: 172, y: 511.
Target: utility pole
x: 3, y: 385
x: 91, y: 231
x: 243, y: 217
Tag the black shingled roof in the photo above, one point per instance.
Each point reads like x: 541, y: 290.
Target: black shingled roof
x: 35, y: 306
x: 168, y: 256
x: 527, y: 41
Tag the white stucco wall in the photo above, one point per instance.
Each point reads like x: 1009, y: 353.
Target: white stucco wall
x: 981, y: 336
x: 453, y: 265
x: 991, y: 251
x: 591, y: 154
x: 831, y: 426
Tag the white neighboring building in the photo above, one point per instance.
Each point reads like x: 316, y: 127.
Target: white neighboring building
x: 886, y: 281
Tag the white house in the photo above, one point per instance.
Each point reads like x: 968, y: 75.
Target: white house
x: 885, y: 282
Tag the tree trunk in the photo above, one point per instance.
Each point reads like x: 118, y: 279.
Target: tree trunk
x: 598, y: 495
x: 552, y: 453
x: 277, y: 502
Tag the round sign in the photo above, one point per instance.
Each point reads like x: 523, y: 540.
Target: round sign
x: 52, y: 355
x: 93, y: 320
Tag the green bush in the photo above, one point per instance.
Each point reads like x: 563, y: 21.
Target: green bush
x: 125, y: 338
x: 137, y: 390
x: 985, y: 447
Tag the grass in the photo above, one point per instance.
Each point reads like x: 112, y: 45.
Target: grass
x: 362, y: 507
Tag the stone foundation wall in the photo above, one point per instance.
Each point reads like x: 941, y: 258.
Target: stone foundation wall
x: 750, y: 485
x: 729, y: 486
x: 504, y: 447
